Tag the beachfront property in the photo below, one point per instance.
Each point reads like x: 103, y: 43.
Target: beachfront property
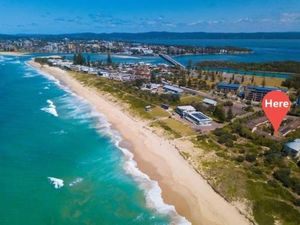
x: 172, y: 89
x: 227, y: 87
x: 209, y: 102
x: 293, y: 148
x: 182, y: 110
x: 189, y: 113
x: 256, y: 93
x: 198, y: 118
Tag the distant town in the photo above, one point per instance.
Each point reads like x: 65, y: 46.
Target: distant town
x: 66, y: 45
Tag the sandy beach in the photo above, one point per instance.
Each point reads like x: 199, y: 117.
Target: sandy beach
x: 13, y: 53
x: 158, y: 157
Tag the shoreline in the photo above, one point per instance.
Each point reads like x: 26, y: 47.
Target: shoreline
x: 157, y: 157
x: 13, y: 53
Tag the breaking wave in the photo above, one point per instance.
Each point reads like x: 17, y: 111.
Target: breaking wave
x: 50, y: 109
x: 80, y: 109
x: 57, y: 183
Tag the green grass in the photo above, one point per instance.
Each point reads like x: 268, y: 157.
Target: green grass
x: 174, y: 127
x: 189, y: 99
x: 270, y: 203
x: 158, y: 112
x: 179, y: 127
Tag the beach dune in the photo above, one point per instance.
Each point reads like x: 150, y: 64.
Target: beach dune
x: 181, y: 185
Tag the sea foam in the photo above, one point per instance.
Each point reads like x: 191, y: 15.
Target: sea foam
x: 80, y: 109
x: 151, y: 188
x: 50, y: 109
x: 76, y: 181
x: 57, y: 183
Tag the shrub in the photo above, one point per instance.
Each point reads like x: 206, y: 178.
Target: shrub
x: 228, y: 103
x: 256, y: 170
x: 240, y: 158
x: 296, y: 202
x: 283, y: 175
x: 295, y: 185
x: 250, y: 158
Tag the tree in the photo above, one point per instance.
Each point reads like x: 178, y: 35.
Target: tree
x: 78, y: 59
x: 243, y: 79
x: 263, y: 83
x: 283, y: 175
x: 219, y: 113
x: 213, y: 77
x: 252, y: 79
x: 153, y: 78
x: 109, y: 59
x: 229, y: 114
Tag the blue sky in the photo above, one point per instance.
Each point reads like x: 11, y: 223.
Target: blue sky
x: 59, y: 16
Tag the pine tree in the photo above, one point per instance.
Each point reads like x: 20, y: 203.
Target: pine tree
x: 263, y: 83
x: 219, y: 113
x: 229, y: 114
x: 109, y: 59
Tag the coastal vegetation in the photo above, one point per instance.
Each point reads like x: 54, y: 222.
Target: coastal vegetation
x: 282, y: 66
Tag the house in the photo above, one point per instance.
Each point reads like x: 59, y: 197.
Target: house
x: 257, y: 93
x: 293, y: 148
x: 198, y: 118
x: 172, y: 89
x: 209, y: 102
x: 226, y: 87
x: 182, y: 110
x: 150, y: 86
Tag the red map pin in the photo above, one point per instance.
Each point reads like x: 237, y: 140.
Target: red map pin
x: 276, y: 105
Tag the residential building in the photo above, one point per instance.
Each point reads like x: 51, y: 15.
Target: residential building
x: 256, y: 93
x: 182, y: 110
x: 209, y: 102
x: 226, y: 87
x: 172, y: 89
x: 293, y: 148
x: 198, y: 118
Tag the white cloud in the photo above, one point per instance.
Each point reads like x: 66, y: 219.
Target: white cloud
x: 290, y: 17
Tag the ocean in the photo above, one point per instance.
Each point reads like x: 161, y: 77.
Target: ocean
x: 60, y: 161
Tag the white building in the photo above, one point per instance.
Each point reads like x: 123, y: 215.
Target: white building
x: 210, y: 102
x: 293, y: 148
x: 198, y: 118
x: 184, y: 109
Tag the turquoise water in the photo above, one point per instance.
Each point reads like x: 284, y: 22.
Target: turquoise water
x: 46, y: 131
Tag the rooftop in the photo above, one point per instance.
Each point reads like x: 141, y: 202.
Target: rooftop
x: 210, y: 101
x: 173, y: 88
x: 228, y: 85
x: 295, y: 145
x: 266, y: 88
x: 200, y: 116
x: 186, y: 108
